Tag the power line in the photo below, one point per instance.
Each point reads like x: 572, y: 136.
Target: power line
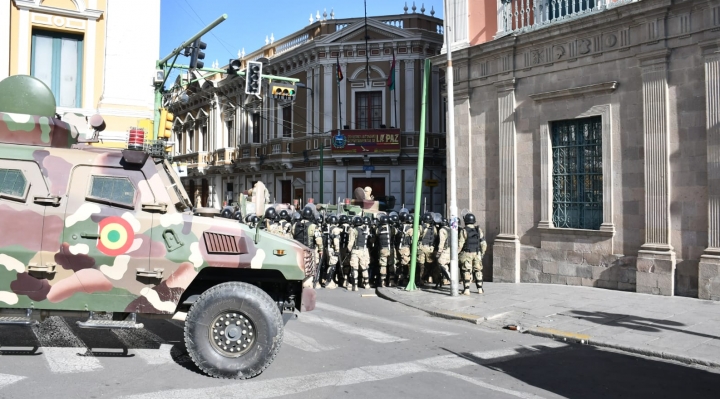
x: 204, y: 24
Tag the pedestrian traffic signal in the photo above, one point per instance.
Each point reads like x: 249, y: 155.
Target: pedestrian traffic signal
x: 283, y: 91
x: 166, y: 124
x: 233, y: 67
x: 253, y: 77
x: 197, y: 54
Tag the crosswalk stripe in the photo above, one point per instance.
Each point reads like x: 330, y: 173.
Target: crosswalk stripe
x: 258, y: 389
x: 303, y: 342
x: 367, y: 333
x: 62, y: 350
x: 511, y: 392
x: 364, y: 316
x: 7, y: 379
x: 144, y: 344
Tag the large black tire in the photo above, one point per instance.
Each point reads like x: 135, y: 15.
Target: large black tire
x: 258, y: 311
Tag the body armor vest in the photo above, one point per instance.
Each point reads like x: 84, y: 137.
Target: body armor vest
x: 361, y: 240
x: 301, y: 235
x: 472, y: 242
x: 344, y: 236
x: 406, y: 240
x: 384, y: 236
x: 429, y: 237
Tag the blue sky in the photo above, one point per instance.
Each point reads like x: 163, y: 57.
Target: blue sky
x: 249, y: 21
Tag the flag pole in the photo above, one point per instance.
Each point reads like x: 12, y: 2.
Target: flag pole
x: 337, y: 78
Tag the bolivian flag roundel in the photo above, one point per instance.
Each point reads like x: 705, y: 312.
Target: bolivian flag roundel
x: 116, y: 236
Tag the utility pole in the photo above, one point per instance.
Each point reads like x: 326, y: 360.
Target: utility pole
x: 451, y: 157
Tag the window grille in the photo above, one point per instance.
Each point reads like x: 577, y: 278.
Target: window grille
x: 577, y: 173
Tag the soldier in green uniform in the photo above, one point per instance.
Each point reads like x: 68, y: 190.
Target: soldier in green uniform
x: 271, y: 222
x: 386, y: 261
x: 471, y: 242
x: 284, y: 224
x: 426, y: 248
x: 359, y: 256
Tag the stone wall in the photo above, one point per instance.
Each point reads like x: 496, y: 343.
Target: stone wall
x: 651, y: 70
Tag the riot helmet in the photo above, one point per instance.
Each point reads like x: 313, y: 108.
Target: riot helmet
x: 296, y: 216
x: 383, y: 219
x: 428, y: 218
x: 333, y: 220
x: 254, y: 219
x: 366, y: 220
x: 394, y: 218
x: 320, y: 219
x: 284, y: 215
x: 344, y: 219
x: 445, y: 222
x: 404, y: 216
x: 270, y: 213
x: 469, y: 218
x: 307, y: 214
x: 357, y: 221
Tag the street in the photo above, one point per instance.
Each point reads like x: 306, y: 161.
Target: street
x: 350, y: 345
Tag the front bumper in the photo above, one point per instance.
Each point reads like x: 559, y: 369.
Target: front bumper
x: 308, y: 299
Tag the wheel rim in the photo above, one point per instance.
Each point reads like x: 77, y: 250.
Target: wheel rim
x: 232, y: 334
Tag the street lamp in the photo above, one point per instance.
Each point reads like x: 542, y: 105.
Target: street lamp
x: 304, y: 86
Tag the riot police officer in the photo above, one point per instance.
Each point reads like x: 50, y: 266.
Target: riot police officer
x: 385, y: 236
x: 426, y: 248
x: 333, y: 250
x: 359, y: 257
x: 271, y: 224
x: 443, y: 254
x: 404, y: 237
x: 284, y: 224
x: 344, y: 249
x: 471, y: 242
x: 306, y: 232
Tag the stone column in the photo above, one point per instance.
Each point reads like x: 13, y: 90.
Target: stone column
x: 709, y: 269
x: 409, y: 111
x: 506, y: 248
x: 656, y: 258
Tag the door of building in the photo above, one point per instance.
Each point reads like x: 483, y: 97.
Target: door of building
x: 204, y: 193
x: 285, y: 191
x: 376, y: 183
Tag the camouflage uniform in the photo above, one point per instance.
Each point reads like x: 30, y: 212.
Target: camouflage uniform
x: 404, y: 244
x: 386, y: 260
x: 359, y: 256
x: 425, y: 251
x: 307, y: 233
x: 471, y: 242
x: 345, y: 253
x: 333, y: 254
x: 443, y: 270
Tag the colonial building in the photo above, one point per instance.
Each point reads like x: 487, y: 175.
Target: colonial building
x: 95, y: 55
x: 230, y: 140
x: 588, y: 141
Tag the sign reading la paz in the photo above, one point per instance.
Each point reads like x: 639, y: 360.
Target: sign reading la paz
x: 366, y: 141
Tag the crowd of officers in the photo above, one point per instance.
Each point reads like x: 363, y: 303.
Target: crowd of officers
x: 355, y: 251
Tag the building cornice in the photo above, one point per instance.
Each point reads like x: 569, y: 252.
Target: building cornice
x: 81, y: 12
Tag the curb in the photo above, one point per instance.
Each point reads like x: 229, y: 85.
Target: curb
x: 588, y: 340
x: 559, y: 334
x: 445, y: 314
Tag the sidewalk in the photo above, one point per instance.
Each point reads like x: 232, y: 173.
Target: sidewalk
x: 675, y: 328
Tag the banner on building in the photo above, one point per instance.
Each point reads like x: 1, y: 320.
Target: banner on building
x: 366, y: 141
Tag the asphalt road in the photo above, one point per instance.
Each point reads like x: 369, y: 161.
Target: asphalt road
x: 350, y: 347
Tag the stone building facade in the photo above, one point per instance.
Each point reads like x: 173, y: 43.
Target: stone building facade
x: 588, y: 144
x: 230, y: 140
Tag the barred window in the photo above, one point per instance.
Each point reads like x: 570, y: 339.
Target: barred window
x: 577, y: 173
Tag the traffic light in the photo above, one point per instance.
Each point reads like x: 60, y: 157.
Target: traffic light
x: 166, y: 124
x: 253, y: 77
x: 283, y: 91
x: 233, y: 67
x: 196, y: 54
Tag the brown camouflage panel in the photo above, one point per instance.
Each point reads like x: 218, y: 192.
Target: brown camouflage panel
x: 91, y: 253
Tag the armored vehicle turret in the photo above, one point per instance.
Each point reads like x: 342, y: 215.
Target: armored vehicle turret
x: 98, y: 232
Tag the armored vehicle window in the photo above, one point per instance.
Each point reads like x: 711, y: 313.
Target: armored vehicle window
x: 114, y: 190
x: 12, y: 183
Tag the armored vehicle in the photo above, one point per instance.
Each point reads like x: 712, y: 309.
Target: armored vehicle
x: 110, y: 234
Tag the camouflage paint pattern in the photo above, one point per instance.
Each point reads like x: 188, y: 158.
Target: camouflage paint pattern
x: 96, y: 246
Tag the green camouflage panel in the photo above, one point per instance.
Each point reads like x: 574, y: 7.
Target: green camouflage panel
x: 105, y: 246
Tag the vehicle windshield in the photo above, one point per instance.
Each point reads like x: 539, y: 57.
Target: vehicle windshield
x: 175, y: 187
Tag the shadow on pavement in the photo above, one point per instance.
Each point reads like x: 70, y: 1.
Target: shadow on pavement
x: 635, y: 322
x: 587, y: 372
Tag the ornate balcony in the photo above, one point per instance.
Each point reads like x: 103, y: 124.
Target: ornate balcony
x: 519, y: 16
